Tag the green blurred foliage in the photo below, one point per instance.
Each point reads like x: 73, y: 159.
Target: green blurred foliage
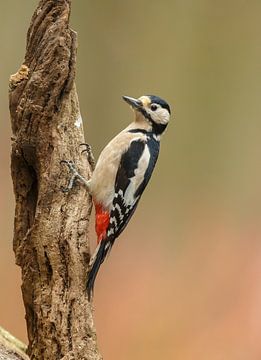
x: 183, y: 281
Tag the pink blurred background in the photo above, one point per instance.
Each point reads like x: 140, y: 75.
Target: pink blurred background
x: 184, y: 280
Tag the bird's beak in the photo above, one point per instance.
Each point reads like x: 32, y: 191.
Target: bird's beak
x: 134, y: 103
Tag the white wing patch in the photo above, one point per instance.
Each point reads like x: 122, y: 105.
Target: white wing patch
x: 117, y: 206
x: 138, y: 178
x: 110, y: 232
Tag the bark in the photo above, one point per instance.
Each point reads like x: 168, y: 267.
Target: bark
x: 50, y: 229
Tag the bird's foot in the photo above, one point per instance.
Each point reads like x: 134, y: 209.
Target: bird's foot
x: 90, y: 157
x: 74, y: 176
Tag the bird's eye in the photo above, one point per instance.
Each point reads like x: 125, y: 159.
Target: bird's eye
x: 153, y: 107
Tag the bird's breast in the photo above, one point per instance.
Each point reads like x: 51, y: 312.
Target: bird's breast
x: 102, y: 183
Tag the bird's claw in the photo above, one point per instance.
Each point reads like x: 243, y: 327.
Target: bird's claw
x: 70, y: 165
x: 90, y: 156
x: 74, y: 176
x: 87, y: 149
x: 64, y: 189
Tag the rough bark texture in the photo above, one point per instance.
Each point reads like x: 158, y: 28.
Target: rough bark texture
x: 50, y: 230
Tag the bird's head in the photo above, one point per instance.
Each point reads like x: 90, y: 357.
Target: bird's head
x: 152, y: 109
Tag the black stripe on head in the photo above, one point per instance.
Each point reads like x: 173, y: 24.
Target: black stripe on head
x: 158, y: 129
x: 157, y: 100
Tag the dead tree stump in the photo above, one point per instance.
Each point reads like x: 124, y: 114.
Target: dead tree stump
x: 50, y: 229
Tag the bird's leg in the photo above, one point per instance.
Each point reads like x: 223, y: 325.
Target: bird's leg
x: 89, y: 154
x: 74, y: 176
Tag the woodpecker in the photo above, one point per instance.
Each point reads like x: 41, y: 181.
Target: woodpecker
x: 121, y: 174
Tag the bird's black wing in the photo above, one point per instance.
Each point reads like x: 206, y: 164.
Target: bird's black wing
x: 131, y: 180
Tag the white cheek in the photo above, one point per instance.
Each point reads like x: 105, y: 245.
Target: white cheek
x: 160, y: 116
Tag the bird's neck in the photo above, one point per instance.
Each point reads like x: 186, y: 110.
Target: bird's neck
x: 140, y: 123
x: 137, y: 127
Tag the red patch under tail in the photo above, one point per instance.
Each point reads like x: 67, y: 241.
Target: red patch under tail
x: 102, y: 221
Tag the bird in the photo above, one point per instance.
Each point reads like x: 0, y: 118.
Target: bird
x: 121, y: 174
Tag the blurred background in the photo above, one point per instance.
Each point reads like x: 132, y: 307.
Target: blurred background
x: 184, y: 280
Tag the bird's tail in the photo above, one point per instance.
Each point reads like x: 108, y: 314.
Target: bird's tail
x: 95, y: 263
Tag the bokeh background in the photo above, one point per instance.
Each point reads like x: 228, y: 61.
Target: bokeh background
x: 184, y: 280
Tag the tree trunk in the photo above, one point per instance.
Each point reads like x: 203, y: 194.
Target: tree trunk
x: 50, y: 229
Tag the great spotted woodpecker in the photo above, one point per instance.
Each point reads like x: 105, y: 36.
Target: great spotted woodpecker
x: 121, y: 174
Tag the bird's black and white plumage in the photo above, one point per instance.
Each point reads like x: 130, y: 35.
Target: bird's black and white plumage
x: 122, y: 173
